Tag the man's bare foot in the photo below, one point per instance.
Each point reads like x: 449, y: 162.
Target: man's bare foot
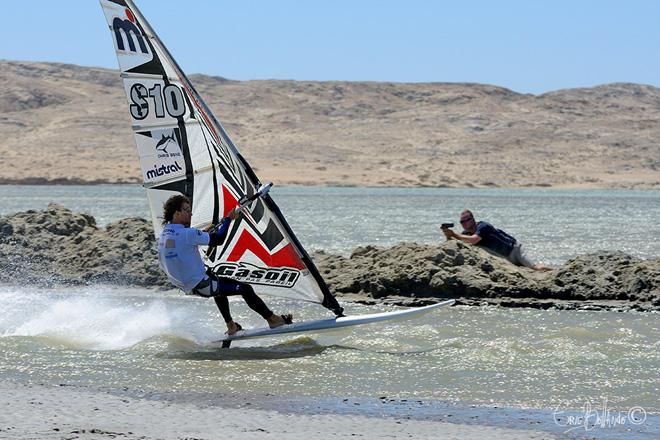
x: 543, y: 268
x: 233, y: 327
x: 279, y: 320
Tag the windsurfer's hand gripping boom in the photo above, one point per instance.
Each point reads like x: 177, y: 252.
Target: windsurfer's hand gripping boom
x: 242, y: 203
x: 224, y: 223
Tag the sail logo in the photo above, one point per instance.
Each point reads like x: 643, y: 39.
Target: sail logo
x: 163, y: 170
x: 268, y: 276
x: 164, y: 143
x: 126, y: 29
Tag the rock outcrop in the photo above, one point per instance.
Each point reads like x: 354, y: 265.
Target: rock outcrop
x: 414, y: 274
x: 57, y: 246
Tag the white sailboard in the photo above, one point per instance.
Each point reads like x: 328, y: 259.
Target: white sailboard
x: 184, y: 149
x: 320, y: 325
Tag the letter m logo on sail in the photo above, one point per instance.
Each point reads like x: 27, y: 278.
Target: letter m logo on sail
x: 131, y: 39
x: 131, y: 34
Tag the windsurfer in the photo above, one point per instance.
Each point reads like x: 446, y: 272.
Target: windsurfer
x: 494, y: 240
x: 180, y: 259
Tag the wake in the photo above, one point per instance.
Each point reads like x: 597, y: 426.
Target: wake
x: 99, y: 320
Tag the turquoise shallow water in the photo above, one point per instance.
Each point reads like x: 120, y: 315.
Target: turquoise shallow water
x: 162, y: 342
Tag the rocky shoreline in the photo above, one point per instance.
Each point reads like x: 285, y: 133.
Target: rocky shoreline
x: 56, y: 246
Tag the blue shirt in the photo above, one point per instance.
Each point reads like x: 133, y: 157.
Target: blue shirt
x: 495, y: 239
x: 178, y: 253
x: 179, y: 256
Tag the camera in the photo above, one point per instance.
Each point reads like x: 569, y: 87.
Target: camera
x: 446, y: 225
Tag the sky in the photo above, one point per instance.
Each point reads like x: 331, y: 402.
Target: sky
x: 527, y: 46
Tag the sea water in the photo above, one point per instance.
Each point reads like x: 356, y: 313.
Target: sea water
x: 554, y: 225
x: 111, y: 338
x: 116, y: 338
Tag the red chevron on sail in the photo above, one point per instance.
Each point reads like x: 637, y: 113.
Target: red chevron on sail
x: 285, y: 257
x: 229, y: 202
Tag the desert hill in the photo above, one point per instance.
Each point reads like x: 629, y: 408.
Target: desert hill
x: 69, y: 124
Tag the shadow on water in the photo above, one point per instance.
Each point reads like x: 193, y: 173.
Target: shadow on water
x: 296, y: 348
x: 184, y: 349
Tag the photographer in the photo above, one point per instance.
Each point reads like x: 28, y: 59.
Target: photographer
x: 495, y: 240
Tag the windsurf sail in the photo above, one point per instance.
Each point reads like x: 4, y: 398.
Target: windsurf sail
x: 183, y: 149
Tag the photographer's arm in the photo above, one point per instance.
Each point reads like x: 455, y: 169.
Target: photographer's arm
x: 472, y: 239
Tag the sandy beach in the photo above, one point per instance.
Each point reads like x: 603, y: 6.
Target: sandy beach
x: 46, y: 412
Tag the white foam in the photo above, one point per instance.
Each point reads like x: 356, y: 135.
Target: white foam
x: 98, y: 320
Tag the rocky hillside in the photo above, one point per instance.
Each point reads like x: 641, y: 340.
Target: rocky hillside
x: 64, y: 123
x: 57, y: 246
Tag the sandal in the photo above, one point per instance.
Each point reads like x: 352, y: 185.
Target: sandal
x: 238, y: 329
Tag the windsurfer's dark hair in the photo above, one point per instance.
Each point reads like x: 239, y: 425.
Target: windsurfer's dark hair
x: 173, y: 205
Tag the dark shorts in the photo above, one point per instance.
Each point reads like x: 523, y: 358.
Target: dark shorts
x: 214, y: 286
x: 221, y: 288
